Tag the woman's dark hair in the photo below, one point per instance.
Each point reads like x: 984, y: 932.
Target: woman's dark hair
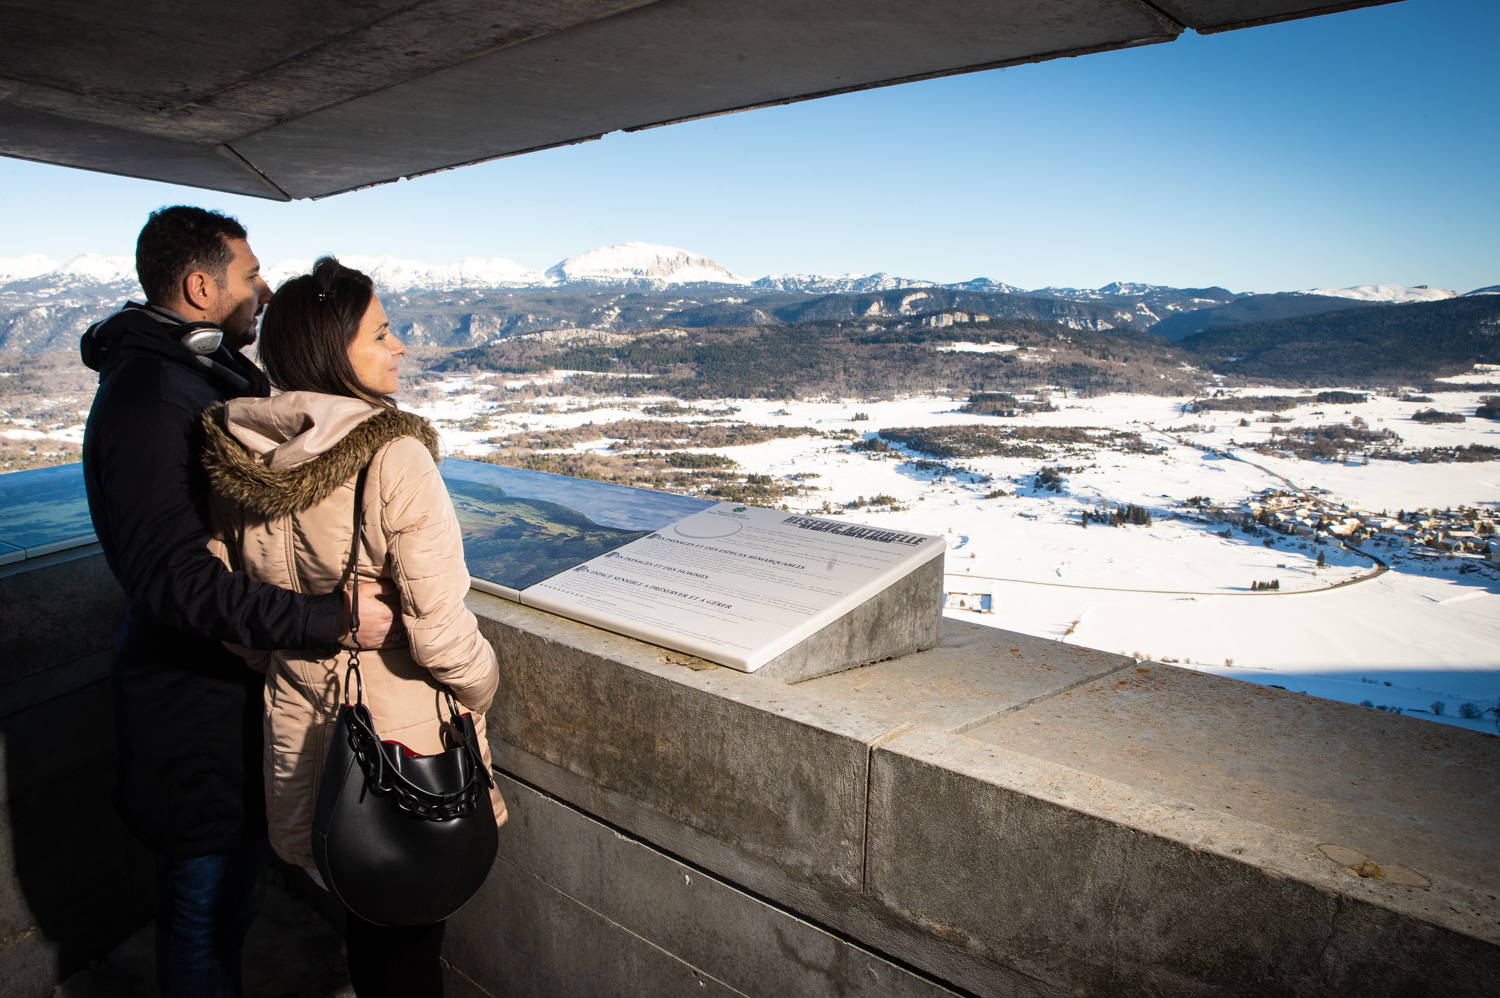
x: 178, y: 240
x: 308, y: 326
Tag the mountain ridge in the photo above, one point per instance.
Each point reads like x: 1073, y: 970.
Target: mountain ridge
x: 45, y: 304
x: 658, y: 266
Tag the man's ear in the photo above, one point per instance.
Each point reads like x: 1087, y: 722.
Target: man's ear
x: 199, y: 289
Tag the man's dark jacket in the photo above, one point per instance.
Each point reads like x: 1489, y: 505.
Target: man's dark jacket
x: 188, y: 711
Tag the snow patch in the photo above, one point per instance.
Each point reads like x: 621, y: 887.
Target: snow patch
x: 1384, y: 292
x: 978, y: 348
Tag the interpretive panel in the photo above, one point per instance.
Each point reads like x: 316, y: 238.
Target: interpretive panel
x: 737, y: 585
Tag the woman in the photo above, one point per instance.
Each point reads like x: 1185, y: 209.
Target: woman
x: 283, y: 470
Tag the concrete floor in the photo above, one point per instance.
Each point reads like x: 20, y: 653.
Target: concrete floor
x: 292, y: 950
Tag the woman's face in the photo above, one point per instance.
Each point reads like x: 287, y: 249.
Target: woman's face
x: 374, y: 352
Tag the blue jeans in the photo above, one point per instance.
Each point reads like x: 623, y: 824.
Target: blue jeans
x: 204, y: 907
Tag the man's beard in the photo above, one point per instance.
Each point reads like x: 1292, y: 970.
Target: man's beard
x: 238, y: 335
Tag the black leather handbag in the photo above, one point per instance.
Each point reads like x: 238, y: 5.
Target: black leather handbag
x: 400, y: 838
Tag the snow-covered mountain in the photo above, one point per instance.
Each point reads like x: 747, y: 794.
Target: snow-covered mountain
x: 19, y: 268
x: 840, y: 284
x: 1384, y: 292
x: 632, y: 264
x: 641, y: 263
x: 82, y: 271
x: 847, y: 284
x: 393, y: 274
x: 1115, y: 289
x: 1151, y: 303
x: 629, y: 263
x: 45, y: 305
x: 986, y: 286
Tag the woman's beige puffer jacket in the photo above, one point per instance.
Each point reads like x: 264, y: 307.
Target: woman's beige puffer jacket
x: 283, y: 471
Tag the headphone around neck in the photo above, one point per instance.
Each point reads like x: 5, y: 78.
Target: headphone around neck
x: 203, y: 338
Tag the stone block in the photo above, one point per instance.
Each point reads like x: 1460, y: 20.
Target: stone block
x: 1103, y: 888
x: 1397, y: 790
x: 457, y: 984
x: 55, y: 610
x: 520, y: 936
x: 754, y: 947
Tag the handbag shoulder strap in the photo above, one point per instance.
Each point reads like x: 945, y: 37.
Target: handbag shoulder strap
x: 358, y: 541
x: 354, y: 546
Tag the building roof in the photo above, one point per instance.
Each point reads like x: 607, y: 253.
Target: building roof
x: 284, y: 99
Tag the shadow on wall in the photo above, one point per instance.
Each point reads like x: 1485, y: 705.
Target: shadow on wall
x: 76, y: 883
x: 84, y: 883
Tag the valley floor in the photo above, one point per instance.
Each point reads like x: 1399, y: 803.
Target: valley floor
x: 1425, y: 631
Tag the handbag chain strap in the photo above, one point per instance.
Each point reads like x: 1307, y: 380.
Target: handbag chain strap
x: 365, y: 742
x: 384, y: 779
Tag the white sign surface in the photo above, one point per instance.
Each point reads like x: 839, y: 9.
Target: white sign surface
x: 737, y: 585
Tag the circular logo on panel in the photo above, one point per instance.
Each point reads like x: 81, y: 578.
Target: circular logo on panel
x: 707, y: 528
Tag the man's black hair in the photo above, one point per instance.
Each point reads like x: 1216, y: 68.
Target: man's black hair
x: 178, y: 240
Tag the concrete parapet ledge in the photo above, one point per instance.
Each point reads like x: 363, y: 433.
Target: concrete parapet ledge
x: 1008, y: 815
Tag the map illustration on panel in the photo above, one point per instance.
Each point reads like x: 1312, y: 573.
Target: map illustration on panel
x: 520, y: 527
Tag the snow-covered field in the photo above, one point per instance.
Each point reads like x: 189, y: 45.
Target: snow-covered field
x: 1174, y: 591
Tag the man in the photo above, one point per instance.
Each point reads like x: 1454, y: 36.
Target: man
x: 188, y: 712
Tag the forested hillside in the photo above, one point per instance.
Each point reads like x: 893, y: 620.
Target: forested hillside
x: 1254, y: 308
x: 1386, y: 344
x: 801, y: 308
x: 873, y: 358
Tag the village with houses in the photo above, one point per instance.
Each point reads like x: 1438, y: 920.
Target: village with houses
x: 1463, y: 531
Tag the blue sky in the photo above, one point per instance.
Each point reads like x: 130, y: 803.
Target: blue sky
x: 1354, y: 148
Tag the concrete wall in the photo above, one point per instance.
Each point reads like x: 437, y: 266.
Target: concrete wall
x: 579, y: 908
x: 73, y: 883
x: 999, y: 815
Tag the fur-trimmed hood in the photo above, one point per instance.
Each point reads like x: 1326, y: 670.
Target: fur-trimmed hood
x: 281, y: 455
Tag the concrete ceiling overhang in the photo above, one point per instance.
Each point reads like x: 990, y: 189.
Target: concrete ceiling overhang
x: 305, y: 98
